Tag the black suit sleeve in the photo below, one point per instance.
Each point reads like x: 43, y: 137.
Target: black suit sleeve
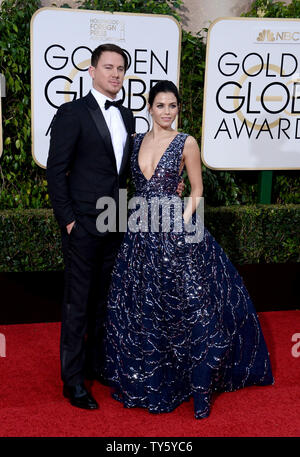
x: 64, y: 135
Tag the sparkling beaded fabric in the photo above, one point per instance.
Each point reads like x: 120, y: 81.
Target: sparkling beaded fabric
x: 180, y: 322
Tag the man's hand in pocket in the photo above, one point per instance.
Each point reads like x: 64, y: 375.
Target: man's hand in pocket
x: 69, y: 227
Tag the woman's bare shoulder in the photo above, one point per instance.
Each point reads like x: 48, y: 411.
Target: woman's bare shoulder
x: 190, y: 144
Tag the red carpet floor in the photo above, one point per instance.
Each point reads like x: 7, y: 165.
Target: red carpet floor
x: 31, y: 403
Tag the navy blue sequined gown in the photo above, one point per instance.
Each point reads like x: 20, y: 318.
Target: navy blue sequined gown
x: 180, y: 322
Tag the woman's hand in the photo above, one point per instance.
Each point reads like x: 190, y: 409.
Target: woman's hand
x: 180, y: 188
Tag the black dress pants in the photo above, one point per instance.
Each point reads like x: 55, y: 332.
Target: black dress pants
x: 89, y: 260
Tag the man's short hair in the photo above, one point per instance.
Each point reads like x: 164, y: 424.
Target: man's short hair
x: 111, y: 48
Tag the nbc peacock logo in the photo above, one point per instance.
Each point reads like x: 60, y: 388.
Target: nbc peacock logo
x: 269, y: 36
x: 266, y: 35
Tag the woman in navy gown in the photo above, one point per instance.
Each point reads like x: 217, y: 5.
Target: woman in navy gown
x: 180, y: 322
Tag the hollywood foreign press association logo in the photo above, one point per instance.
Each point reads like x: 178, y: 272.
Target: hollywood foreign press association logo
x: 107, y: 30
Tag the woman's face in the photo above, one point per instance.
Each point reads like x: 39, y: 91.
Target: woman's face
x: 164, y: 109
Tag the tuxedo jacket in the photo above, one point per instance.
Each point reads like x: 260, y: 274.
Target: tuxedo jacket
x: 81, y: 165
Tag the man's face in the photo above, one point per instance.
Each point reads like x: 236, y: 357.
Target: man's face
x: 109, y: 73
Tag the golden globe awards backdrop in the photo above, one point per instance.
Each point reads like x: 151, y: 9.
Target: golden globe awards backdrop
x: 251, y: 113
x: 61, y: 45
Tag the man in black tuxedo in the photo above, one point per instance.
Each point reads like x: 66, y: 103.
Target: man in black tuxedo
x: 88, y: 158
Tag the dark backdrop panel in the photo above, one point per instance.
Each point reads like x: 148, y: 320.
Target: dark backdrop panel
x: 37, y: 297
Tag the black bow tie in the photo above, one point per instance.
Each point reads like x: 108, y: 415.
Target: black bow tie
x: 108, y: 103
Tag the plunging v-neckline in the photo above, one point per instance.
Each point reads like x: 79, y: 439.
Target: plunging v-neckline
x: 148, y: 180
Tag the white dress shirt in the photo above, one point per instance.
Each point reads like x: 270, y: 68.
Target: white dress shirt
x: 115, y: 125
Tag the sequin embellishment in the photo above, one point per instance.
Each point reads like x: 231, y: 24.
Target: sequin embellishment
x: 180, y: 323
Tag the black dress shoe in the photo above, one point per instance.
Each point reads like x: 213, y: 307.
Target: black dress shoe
x: 80, y: 397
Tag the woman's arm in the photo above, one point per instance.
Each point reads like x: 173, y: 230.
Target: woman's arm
x: 192, y: 161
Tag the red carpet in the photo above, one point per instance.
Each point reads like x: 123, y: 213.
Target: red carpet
x: 31, y: 403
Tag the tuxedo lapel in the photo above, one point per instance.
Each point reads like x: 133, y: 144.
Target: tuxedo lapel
x: 101, y: 125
